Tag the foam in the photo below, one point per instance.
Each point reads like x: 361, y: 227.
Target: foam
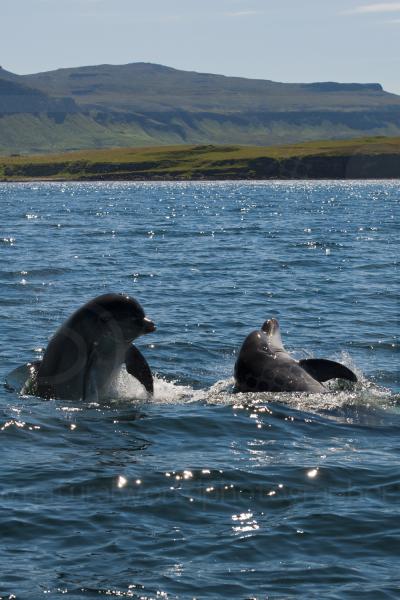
x: 340, y: 394
x: 125, y: 387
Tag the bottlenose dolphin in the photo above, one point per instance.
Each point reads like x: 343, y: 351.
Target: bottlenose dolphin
x: 263, y: 365
x: 88, y: 350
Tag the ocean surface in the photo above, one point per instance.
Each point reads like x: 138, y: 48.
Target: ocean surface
x: 201, y: 492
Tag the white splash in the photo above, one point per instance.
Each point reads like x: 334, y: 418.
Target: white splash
x: 339, y: 393
x: 125, y: 387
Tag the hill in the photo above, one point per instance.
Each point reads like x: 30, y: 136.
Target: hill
x: 363, y: 158
x: 142, y: 104
x: 149, y: 88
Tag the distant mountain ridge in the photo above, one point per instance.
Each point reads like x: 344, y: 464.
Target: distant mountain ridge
x: 142, y: 104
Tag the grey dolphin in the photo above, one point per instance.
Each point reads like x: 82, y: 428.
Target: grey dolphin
x: 87, y: 351
x: 263, y: 365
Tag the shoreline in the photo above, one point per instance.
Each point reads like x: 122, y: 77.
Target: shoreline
x: 361, y: 159
x: 194, y: 180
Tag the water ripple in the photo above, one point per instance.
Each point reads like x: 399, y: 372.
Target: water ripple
x: 203, y: 492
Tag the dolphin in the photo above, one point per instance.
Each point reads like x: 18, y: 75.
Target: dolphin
x: 263, y: 365
x: 88, y: 350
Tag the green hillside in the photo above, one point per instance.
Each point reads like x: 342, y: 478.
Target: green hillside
x: 362, y: 158
x: 45, y: 133
x: 141, y: 104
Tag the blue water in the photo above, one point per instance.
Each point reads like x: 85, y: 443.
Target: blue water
x: 200, y: 492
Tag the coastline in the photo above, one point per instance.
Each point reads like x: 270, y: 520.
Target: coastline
x: 365, y: 158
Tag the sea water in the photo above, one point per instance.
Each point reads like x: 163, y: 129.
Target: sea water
x: 200, y: 492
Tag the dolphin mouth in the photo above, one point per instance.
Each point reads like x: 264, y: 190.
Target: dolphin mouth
x: 270, y: 326
x: 148, y: 326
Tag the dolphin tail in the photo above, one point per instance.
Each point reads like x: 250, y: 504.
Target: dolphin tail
x: 23, y: 378
x: 322, y: 370
x: 138, y: 367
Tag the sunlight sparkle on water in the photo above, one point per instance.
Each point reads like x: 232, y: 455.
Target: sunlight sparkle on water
x: 312, y: 473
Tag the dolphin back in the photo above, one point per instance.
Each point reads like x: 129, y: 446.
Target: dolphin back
x: 264, y: 366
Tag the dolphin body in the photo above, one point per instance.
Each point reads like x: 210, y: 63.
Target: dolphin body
x: 88, y: 350
x: 263, y: 365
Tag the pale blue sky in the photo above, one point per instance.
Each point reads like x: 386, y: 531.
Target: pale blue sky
x: 282, y: 40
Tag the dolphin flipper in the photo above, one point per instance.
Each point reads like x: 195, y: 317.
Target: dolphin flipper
x: 138, y: 367
x: 322, y: 370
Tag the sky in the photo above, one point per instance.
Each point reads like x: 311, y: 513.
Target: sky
x: 280, y: 40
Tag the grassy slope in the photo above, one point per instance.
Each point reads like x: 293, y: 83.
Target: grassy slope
x: 185, y: 162
x: 29, y: 134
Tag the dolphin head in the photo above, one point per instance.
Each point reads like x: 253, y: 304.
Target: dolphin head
x: 272, y: 330
x: 123, y: 315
